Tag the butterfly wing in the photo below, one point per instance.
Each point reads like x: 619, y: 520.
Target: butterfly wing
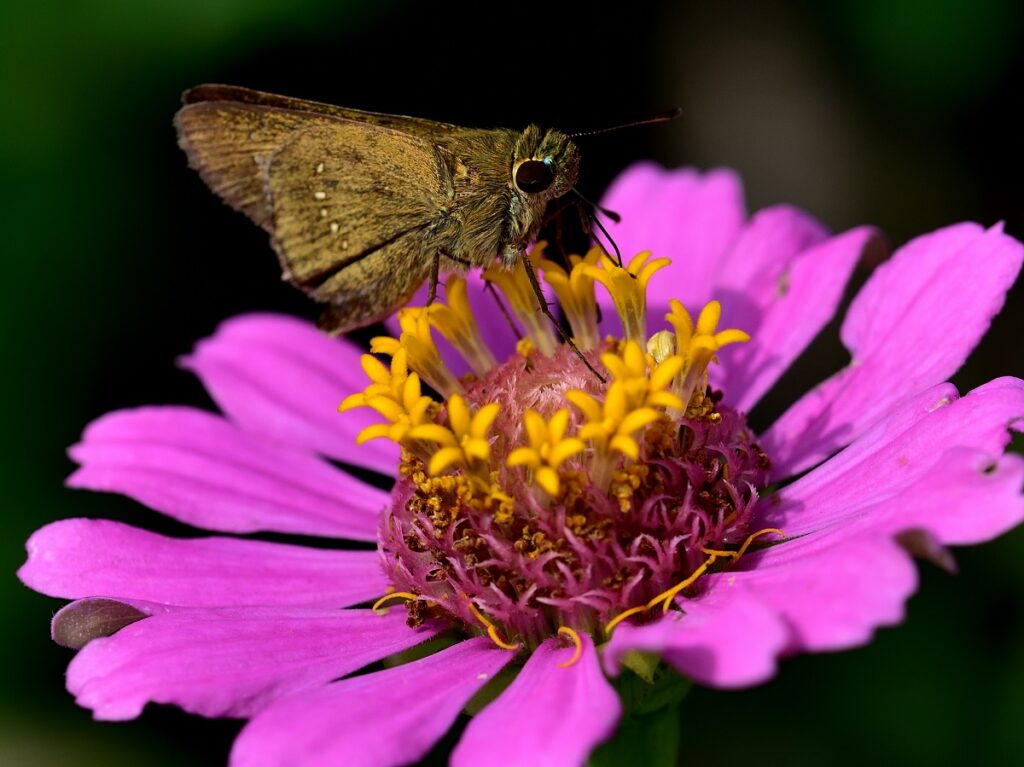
x: 348, y: 197
x: 354, y: 207
x: 230, y: 144
x: 417, y: 126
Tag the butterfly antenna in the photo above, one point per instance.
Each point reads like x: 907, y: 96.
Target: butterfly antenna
x: 597, y: 208
x: 670, y: 114
x: 489, y: 287
x: 594, y: 210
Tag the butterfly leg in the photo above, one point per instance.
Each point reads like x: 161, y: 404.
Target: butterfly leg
x: 489, y: 287
x: 546, y: 310
x: 435, y: 268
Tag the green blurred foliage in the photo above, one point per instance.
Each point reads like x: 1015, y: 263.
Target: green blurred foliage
x: 109, y: 276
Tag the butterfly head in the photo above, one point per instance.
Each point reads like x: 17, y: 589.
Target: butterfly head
x: 546, y: 164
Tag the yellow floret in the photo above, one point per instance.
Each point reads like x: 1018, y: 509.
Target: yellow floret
x: 549, y: 448
x: 455, y: 321
x: 395, y: 394
x: 518, y: 290
x: 696, y: 346
x: 423, y: 356
x: 628, y: 289
x: 575, y: 292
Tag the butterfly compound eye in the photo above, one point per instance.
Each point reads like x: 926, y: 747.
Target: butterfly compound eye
x: 533, y: 176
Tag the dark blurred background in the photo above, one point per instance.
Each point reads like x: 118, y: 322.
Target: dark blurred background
x: 894, y: 112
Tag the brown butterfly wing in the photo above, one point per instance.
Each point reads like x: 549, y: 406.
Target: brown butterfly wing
x: 362, y: 247
x: 354, y: 207
x: 428, y: 129
x: 230, y: 144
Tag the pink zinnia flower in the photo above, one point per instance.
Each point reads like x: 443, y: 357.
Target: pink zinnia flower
x: 542, y: 517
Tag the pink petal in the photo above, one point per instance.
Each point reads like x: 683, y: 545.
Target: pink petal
x: 688, y: 216
x: 386, y: 718
x: 832, y: 592
x: 783, y: 309
x: 282, y: 378
x: 230, y: 661
x: 911, y: 327
x: 200, y: 469
x: 909, y: 444
x: 548, y: 716
x: 967, y: 499
x: 727, y: 638
x: 931, y: 466
x: 78, y: 558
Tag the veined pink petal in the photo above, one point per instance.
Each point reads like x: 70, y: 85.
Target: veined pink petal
x: 386, y: 718
x: 910, y: 443
x: 967, y: 498
x: 682, y: 214
x: 783, y: 312
x: 726, y: 638
x: 754, y: 270
x: 77, y: 558
x: 911, y: 327
x: 549, y: 715
x: 199, y: 468
x: 282, y: 378
x: 230, y: 661
x: 832, y: 597
x: 933, y: 465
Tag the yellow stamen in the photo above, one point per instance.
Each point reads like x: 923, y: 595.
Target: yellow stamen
x: 458, y: 325
x: 492, y: 631
x: 575, y: 292
x: 523, y: 299
x: 665, y: 598
x: 571, y: 633
x: 423, y: 355
x: 751, y: 538
x: 733, y: 555
x: 406, y: 595
x: 610, y: 626
x: 628, y: 289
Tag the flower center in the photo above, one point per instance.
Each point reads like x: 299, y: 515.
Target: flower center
x: 538, y: 499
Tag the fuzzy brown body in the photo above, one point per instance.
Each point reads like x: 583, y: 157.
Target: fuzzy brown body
x: 363, y: 207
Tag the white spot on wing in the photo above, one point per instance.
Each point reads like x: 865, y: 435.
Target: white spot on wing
x: 319, y: 195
